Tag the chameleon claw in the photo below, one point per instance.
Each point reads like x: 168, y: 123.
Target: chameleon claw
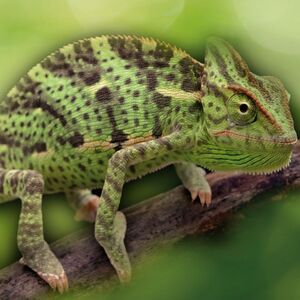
x: 59, y: 283
x: 205, y: 197
x: 194, y: 195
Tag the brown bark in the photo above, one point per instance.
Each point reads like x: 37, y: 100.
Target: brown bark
x: 159, y: 221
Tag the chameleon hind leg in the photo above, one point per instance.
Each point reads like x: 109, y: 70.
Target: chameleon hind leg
x: 85, y: 204
x: 28, y: 186
x: 110, y: 225
x: 193, y: 179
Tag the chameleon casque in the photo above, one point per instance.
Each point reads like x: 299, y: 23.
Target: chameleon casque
x: 105, y: 110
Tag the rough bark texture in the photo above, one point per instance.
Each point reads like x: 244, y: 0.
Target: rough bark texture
x: 161, y: 220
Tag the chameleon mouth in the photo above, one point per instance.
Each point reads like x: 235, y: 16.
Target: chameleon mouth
x: 277, y: 140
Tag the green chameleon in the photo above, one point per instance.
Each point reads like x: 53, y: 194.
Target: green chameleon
x: 105, y: 110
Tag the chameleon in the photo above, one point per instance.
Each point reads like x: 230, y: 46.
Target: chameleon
x: 105, y: 110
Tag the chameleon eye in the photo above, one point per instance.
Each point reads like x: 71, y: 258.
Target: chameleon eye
x: 241, y: 109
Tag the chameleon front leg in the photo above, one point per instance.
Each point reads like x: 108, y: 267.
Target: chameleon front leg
x: 193, y: 179
x: 110, y: 225
x: 85, y: 204
x: 28, y: 186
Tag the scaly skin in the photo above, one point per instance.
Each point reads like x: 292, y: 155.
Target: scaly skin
x: 105, y: 110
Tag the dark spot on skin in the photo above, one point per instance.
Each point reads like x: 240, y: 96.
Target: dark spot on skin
x: 135, y: 107
x: 86, y: 116
x: 160, y: 64
x: 136, y: 93
x: 170, y: 77
x: 136, y: 122
x: 118, y: 136
x: 151, y: 80
x: 104, y: 94
x: 189, y: 86
x: 81, y: 167
x: 210, y: 104
x: 76, y: 140
x: 141, y: 63
x: 121, y: 100
x: 90, y: 78
x: 110, y: 69
x: 127, y: 81
x: 185, y: 65
x: 195, y: 107
x: 40, y: 147
x: 161, y: 100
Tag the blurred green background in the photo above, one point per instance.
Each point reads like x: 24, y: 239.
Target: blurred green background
x: 256, y: 256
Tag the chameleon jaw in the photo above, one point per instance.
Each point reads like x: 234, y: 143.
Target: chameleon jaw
x: 270, y: 171
x: 280, y: 140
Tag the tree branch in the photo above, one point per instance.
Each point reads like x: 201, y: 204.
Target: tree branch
x: 161, y: 220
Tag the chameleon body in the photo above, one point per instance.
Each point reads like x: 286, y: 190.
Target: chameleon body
x: 104, y: 110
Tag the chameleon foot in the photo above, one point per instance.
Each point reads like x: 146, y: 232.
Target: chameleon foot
x: 193, y: 179
x: 88, y: 209
x: 205, y: 196
x: 115, y: 248
x: 47, y: 266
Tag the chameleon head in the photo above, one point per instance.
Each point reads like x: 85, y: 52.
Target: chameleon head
x: 247, y: 118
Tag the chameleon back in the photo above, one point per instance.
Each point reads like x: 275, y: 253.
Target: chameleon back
x: 94, y: 96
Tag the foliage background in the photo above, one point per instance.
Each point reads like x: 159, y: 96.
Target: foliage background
x: 256, y: 254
